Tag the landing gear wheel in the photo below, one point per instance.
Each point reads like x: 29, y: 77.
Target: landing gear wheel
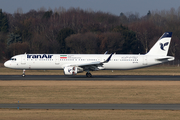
x: 88, y: 75
x: 23, y: 75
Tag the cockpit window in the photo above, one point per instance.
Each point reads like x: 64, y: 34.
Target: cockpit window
x: 13, y: 59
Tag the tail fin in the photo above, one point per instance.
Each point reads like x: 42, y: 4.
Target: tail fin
x: 161, y: 47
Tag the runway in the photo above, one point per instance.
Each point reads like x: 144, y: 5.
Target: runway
x: 94, y: 78
x: 94, y: 106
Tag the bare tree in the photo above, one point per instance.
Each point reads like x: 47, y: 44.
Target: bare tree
x: 82, y: 43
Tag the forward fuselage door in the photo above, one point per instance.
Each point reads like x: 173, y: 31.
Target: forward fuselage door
x: 23, y: 59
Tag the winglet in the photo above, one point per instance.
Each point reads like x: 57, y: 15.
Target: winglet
x: 107, y: 60
x: 106, y: 52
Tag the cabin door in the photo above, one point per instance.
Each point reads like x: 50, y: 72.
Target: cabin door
x: 23, y: 60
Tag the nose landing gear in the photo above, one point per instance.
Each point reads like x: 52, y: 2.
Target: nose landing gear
x: 23, y: 75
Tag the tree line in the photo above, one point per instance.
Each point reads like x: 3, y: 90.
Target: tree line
x: 84, y: 31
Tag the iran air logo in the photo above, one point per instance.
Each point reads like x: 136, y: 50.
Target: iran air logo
x: 163, y: 45
x: 69, y: 70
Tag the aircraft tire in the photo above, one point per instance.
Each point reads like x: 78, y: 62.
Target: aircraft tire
x: 88, y: 75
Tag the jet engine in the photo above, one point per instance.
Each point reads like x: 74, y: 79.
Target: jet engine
x: 70, y: 70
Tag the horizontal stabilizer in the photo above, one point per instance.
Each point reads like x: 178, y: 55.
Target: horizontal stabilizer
x: 168, y: 58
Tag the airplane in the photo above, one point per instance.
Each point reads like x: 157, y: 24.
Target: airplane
x: 77, y: 63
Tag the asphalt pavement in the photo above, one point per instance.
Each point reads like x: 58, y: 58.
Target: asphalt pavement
x: 94, y: 106
x: 94, y: 78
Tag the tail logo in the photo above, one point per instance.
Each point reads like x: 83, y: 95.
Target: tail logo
x: 163, y: 45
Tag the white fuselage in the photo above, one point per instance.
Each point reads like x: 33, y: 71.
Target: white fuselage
x: 60, y: 61
x: 76, y: 63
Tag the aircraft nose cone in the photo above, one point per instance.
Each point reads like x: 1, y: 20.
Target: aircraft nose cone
x: 6, y: 64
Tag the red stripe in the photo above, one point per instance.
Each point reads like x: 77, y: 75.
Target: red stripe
x: 63, y: 57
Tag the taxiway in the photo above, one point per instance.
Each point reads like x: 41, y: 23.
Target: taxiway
x: 94, y: 106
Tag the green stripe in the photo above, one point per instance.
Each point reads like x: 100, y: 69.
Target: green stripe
x: 63, y: 55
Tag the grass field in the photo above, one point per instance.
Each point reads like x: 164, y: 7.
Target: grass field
x: 90, y: 91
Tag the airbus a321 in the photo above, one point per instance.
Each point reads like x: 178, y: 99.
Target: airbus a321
x: 77, y: 63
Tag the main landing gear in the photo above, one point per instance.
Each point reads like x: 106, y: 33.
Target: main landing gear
x: 88, y: 74
x: 23, y: 75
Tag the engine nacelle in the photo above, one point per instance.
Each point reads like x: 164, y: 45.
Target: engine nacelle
x: 70, y: 70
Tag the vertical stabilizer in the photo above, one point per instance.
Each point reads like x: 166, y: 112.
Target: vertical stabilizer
x: 161, y: 47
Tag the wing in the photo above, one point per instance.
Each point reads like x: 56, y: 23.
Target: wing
x: 92, y: 66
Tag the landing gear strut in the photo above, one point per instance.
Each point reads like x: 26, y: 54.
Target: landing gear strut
x: 23, y: 75
x: 88, y: 74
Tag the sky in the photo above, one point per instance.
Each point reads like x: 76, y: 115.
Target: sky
x: 111, y: 6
